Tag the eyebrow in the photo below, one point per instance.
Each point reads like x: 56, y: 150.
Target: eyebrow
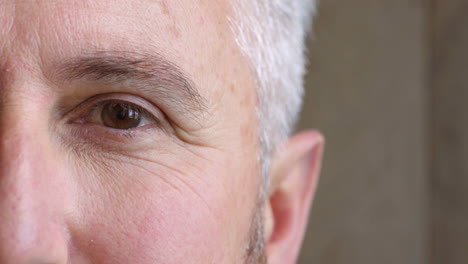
x: 152, y: 73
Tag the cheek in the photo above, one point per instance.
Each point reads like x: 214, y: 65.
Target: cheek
x: 159, y: 231
x: 151, y: 214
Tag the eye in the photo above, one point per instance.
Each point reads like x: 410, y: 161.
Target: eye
x: 119, y: 115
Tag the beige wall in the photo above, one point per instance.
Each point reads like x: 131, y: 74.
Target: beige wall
x: 368, y: 93
x: 388, y: 86
x: 449, y: 137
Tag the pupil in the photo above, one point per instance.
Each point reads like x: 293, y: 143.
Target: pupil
x: 120, y: 116
x: 120, y: 112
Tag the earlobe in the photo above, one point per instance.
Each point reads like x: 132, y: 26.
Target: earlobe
x: 294, y: 176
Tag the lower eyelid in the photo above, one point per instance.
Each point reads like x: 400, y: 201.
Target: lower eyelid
x: 102, y: 134
x: 90, y: 138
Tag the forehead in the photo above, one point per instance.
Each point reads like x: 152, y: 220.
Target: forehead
x: 161, y: 18
x: 193, y: 34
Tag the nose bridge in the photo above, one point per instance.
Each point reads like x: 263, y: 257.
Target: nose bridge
x: 20, y: 173
x: 22, y: 158
x: 30, y: 229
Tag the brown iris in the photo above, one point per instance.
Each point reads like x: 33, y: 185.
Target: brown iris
x: 120, y: 116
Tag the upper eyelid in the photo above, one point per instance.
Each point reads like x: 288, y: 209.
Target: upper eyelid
x: 124, y: 102
x: 152, y: 73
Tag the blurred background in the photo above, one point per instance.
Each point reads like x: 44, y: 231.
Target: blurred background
x: 388, y: 86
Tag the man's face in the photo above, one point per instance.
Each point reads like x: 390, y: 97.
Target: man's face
x: 128, y: 133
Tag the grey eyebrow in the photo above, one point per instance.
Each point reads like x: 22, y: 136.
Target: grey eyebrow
x: 151, y: 73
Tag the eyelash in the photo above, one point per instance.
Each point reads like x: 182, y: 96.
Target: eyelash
x: 98, y: 107
x: 85, y: 110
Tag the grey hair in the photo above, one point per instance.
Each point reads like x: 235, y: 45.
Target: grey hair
x: 271, y: 34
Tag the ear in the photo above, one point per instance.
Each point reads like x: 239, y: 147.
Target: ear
x: 294, y: 176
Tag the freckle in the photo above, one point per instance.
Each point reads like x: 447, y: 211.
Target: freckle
x: 175, y: 31
x: 164, y: 8
x: 245, y: 129
x: 231, y: 88
x: 243, y: 102
x: 7, y: 66
x: 246, y: 132
x: 200, y: 20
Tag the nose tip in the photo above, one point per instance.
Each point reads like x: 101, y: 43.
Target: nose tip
x: 31, y: 230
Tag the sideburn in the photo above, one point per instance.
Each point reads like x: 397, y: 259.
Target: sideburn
x: 255, y: 251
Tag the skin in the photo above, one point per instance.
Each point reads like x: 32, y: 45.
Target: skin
x: 182, y: 188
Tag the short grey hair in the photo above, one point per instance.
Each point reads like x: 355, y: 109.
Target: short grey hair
x: 271, y: 34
